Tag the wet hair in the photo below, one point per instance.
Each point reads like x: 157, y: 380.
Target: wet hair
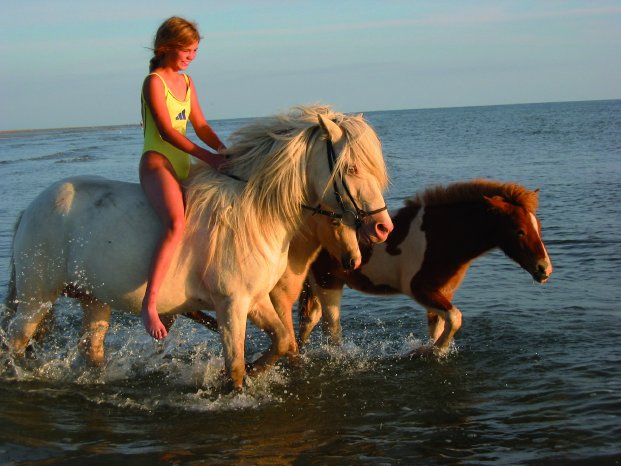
x: 173, y: 34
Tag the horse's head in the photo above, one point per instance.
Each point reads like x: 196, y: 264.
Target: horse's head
x: 338, y: 239
x: 314, y: 160
x: 348, y: 177
x: 520, y: 237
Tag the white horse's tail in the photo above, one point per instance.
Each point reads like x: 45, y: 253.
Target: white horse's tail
x: 11, y: 296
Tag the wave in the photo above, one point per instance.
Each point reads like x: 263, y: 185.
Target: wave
x: 76, y: 155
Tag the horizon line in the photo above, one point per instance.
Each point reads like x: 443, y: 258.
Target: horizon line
x: 119, y: 125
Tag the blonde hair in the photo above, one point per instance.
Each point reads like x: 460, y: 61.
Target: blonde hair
x: 173, y: 34
x: 272, y: 155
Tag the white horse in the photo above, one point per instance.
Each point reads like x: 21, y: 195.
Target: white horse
x: 92, y: 238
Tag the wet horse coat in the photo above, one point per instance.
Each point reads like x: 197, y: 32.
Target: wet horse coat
x: 436, y: 237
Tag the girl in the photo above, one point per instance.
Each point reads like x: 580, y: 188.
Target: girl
x: 168, y: 100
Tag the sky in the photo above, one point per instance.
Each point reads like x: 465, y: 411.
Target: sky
x: 73, y: 63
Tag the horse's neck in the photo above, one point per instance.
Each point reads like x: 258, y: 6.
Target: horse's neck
x: 466, y: 230
x: 303, y: 249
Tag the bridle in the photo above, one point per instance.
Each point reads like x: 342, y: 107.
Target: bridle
x: 358, y: 215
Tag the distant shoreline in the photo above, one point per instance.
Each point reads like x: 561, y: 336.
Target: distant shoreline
x: 70, y: 128
x: 130, y: 125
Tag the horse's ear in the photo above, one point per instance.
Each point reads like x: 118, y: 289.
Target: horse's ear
x: 496, y: 203
x: 334, y: 132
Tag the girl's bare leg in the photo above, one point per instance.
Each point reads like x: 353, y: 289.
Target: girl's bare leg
x: 164, y: 192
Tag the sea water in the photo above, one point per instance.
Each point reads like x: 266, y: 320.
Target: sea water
x: 534, y: 375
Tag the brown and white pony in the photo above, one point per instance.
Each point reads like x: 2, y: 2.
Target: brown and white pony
x: 437, y: 235
x: 92, y: 238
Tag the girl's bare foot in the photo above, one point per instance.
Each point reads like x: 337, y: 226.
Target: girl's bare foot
x: 152, y: 323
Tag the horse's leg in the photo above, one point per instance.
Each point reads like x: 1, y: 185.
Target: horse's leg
x: 442, y: 328
x: 282, y: 302
x: 24, y: 324
x: 232, y: 317
x: 168, y: 320
x: 435, y: 325
x: 309, y: 309
x: 46, y: 325
x: 452, y: 323
x: 330, y: 306
x: 266, y: 318
x: 94, y: 328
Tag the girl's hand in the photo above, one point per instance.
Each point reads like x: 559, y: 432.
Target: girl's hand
x: 216, y: 160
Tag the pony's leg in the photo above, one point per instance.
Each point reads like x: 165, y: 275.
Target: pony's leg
x: 94, y: 328
x: 435, y: 325
x: 168, y: 320
x: 265, y: 317
x: 25, y: 322
x: 449, y: 322
x: 310, y: 314
x: 452, y: 323
x: 46, y: 325
x: 232, y: 318
x: 283, y: 306
x: 330, y: 305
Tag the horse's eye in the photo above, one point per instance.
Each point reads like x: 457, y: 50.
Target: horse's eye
x: 521, y: 233
x: 352, y: 170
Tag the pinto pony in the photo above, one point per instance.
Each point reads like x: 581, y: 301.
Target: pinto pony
x: 437, y: 235
x: 92, y: 238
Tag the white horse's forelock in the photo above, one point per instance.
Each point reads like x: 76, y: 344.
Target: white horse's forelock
x: 270, y: 155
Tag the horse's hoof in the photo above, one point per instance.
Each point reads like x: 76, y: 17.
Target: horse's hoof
x: 232, y: 387
x: 294, y: 358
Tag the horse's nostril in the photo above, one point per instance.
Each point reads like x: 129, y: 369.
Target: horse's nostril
x: 383, y: 228
x: 349, y: 263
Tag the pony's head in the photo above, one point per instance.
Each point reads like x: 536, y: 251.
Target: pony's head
x: 319, y: 162
x: 520, y: 231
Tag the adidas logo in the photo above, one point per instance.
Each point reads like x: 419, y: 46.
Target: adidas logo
x: 181, y: 116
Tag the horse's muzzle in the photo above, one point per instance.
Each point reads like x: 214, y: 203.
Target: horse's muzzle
x: 542, y: 272
x: 349, y: 262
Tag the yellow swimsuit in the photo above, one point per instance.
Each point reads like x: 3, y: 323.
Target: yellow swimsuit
x: 179, y: 111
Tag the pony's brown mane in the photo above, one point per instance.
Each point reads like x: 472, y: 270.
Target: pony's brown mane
x: 473, y: 191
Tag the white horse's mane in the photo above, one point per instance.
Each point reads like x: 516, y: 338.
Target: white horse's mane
x: 270, y: 155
